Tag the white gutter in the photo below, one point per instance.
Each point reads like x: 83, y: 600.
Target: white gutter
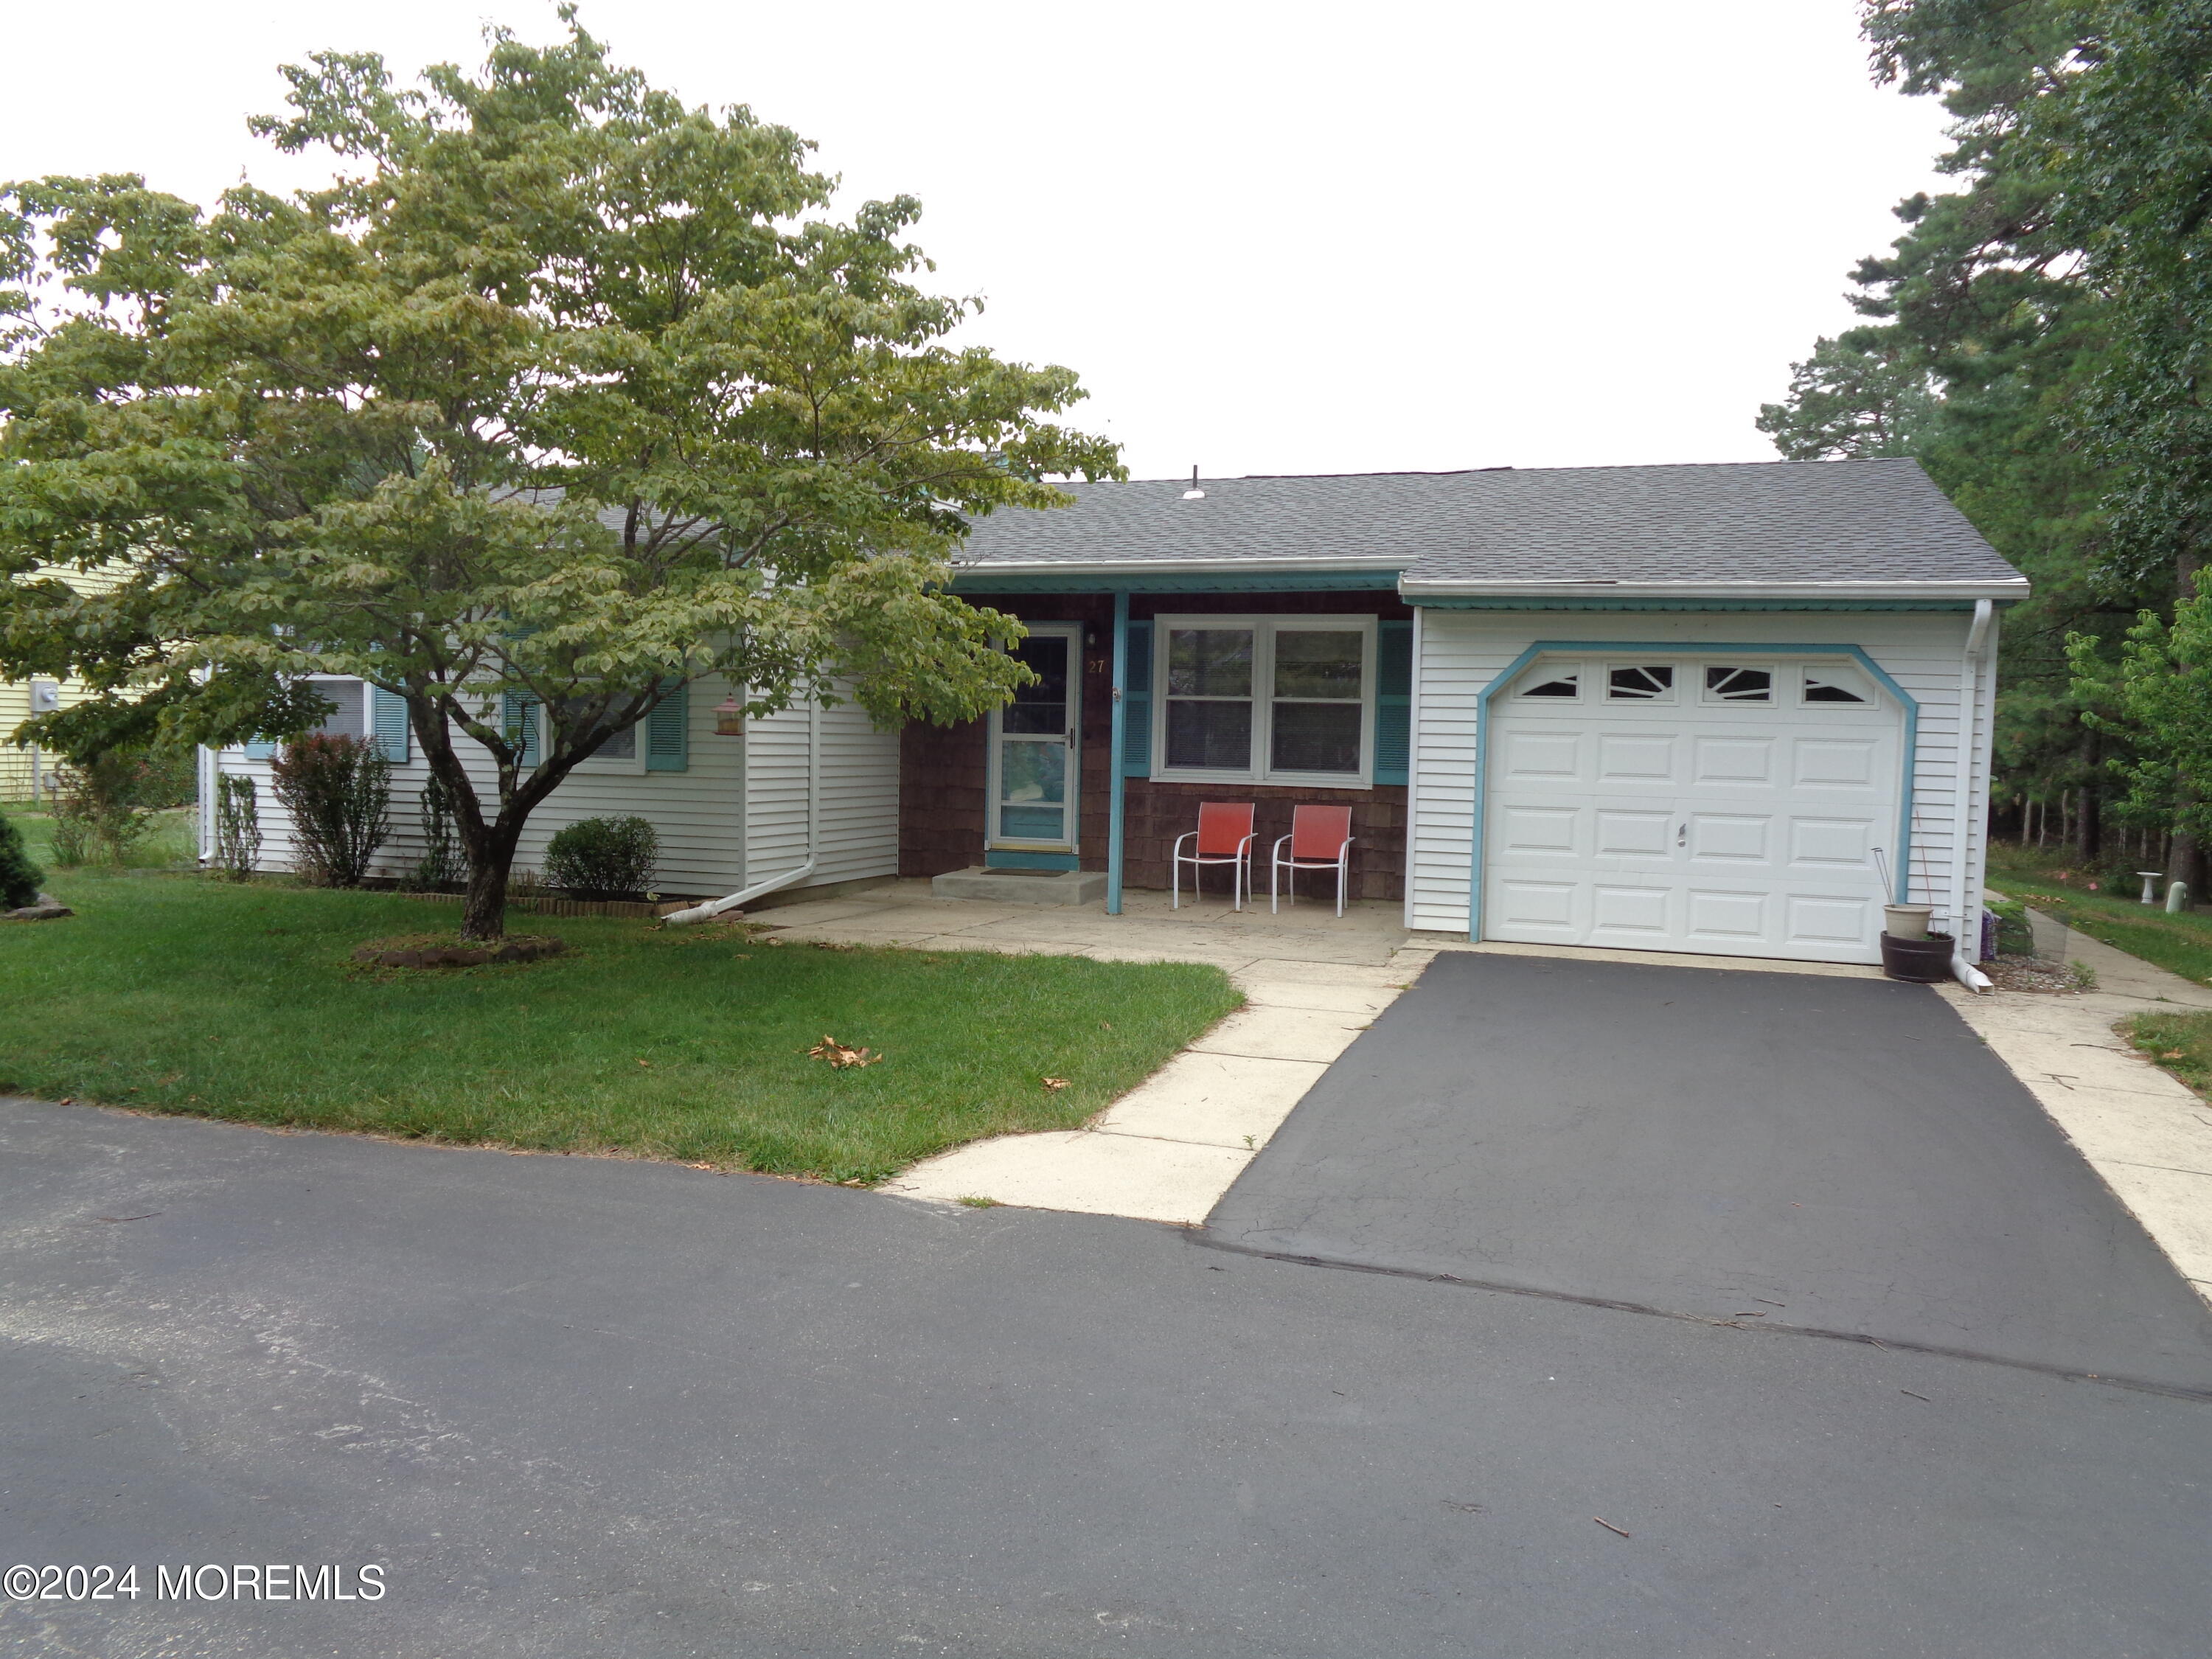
x: 1962, y: 952
x: 1417, y: 589
x: 713, y: 907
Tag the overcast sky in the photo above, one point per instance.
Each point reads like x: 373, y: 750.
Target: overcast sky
x: 1270, y: 238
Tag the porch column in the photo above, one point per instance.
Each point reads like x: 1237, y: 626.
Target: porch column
x: 1114, y: 781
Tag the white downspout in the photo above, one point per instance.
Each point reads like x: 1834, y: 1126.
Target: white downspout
x: 713, y: 907
x: 1962, y: 952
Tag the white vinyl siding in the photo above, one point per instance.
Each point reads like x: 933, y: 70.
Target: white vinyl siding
x: 710, y: 842
x: 1461, y: 651
x: 858, y: 829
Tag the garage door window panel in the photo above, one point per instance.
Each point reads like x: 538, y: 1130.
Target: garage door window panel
x: 1739, y: 686
x: 1640, y: 682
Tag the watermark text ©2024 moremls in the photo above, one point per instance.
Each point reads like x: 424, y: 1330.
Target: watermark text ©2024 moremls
x: 248, y: 1581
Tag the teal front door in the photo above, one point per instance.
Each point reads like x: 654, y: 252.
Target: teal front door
x: 1034, y: 747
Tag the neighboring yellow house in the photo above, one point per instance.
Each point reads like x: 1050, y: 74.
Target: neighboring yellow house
x: 21, y: 699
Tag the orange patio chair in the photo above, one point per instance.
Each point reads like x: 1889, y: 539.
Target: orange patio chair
x: 1223, y: 836
x: 1320, y: 839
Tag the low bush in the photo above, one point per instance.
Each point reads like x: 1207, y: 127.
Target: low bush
x: 338, y: 791
x: 19, y: 877
x: 603, y: 857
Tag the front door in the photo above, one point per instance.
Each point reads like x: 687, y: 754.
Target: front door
x: 1033, y: 769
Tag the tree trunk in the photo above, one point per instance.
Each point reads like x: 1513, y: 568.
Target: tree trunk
x: 2185, y: 858
x: 484, y: 909
x: 2093, y: 798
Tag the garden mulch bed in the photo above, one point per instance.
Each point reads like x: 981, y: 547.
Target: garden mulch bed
x: 450, y: 950
x: 2032, y: 975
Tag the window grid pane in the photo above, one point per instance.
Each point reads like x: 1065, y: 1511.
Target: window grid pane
x: 1315, y: 684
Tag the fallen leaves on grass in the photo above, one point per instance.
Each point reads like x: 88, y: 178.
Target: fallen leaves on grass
x: 839, y: 1056
x: 1052, y: 1086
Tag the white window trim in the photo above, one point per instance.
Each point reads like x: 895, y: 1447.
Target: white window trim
x: 1264, y: 629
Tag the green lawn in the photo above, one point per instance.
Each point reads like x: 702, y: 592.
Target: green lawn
x: 178, y: 994
x: 2182, y: 944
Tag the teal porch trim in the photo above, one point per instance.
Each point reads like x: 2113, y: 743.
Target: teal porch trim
x: 1117, y: 786
x: 1681, y: 648
x: 1292, y: 581
x: 1001, y: 858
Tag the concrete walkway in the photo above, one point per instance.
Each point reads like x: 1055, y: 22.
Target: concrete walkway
x: 1168, y: 1150
x: 2145, y: 1134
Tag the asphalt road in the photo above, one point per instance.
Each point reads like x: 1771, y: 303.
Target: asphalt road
x: 587, y: 1408
x: 1837, y: 1155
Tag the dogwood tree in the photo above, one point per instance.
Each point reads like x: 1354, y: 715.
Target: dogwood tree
x: 563, y: 391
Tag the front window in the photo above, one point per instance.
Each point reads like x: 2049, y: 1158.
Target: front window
x: 351, y: 718
x: 1266, y: 699
x: 617, y: 751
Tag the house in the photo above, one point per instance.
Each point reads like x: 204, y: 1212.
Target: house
x: 1729, y: 709
x: 25, y: 773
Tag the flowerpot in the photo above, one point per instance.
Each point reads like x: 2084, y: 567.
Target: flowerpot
x: 1923, y: 960
x: 1906, y: 921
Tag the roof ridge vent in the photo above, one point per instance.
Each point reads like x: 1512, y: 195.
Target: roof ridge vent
x: 1193, y: 494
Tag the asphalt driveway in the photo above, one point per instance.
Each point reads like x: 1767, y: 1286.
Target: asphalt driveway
x: 1788, y: 1150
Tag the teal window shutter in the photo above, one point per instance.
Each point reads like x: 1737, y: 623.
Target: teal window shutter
x: 519, y: 723
x: 388, y: 719
x: 1394, y: 701
x: 1137, y: 704
x: 668, y: 732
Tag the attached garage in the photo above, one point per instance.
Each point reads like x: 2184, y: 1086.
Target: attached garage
x: 1736, y: 804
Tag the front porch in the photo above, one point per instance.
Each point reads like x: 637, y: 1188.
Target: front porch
x: 1157, y: 695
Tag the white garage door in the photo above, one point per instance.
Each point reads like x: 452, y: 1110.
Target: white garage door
x: 1728, y: 806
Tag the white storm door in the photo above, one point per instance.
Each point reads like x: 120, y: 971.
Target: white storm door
x: 1685, y: 824
x: 1035, y: 746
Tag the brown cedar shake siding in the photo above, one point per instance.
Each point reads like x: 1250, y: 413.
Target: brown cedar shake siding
x: 942, y: 770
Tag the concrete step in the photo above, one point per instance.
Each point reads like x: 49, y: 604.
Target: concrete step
x: 1061, y: 887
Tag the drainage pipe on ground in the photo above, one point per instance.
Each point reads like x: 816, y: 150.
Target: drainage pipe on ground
x: 713, y: 907
x: 1962, y: 950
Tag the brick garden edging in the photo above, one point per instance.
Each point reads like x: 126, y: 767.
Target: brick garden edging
x: 562, y: 906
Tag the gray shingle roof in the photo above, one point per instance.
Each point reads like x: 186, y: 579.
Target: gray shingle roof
x: 1762, y: 521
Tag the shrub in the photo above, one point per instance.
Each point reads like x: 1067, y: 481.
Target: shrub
x: 237, y: 826
x: 338, y: 791
x: 603, y: 857
x: 19, y: 877
x: 106, y: 805
x: 441, y: 864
